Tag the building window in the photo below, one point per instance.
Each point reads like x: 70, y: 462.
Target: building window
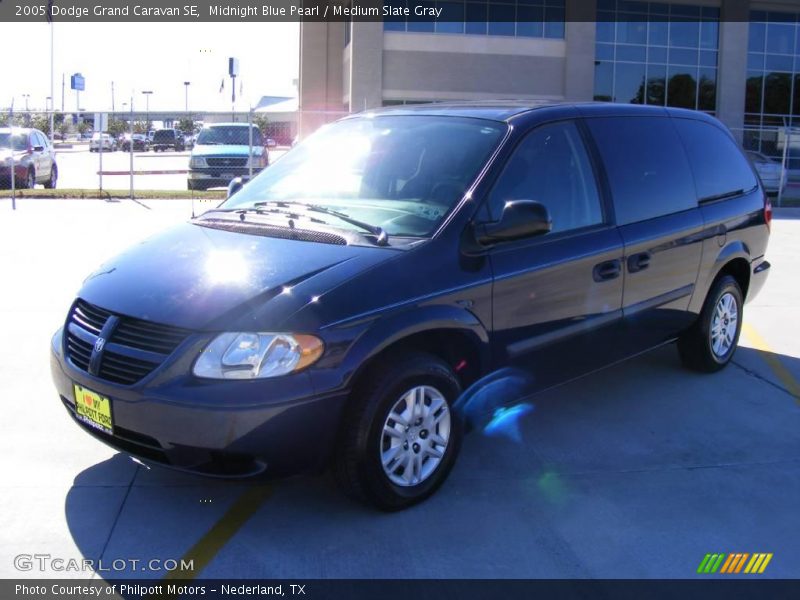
x: 772, y: 96
x: 510, y: 18
x: 656, y: 53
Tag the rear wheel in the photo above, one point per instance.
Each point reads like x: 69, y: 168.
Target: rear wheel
x: 400, y: 437
x: 711, y: 342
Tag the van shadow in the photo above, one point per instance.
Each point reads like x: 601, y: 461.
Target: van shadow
x: 646, y: 414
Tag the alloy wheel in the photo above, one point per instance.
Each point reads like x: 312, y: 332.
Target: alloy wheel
x: 415, y: 436
x: 724, y: 325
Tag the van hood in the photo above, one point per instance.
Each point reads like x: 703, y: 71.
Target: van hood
x: 223, y: 150
x: 209, y: 279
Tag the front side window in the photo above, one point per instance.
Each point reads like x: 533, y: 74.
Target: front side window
x: 404, y: 173
x: 552, y: 167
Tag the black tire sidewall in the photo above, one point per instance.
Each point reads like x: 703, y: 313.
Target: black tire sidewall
x: 724, y: 286
x: 389, y: 495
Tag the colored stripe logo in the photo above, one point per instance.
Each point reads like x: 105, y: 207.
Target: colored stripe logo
x: 733, y: 563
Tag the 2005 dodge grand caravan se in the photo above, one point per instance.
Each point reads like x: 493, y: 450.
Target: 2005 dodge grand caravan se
x: 333, y: 309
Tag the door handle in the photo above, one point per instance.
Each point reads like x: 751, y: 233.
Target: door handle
x: 607, y: 270
x: 638, y: 262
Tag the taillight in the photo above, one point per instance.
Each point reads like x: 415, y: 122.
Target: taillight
x: 767, y: 211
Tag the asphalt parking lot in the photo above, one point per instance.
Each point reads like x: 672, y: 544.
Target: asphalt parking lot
x: 637, y: 471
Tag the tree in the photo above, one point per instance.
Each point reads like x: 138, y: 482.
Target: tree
x: 262, y: 122
x: 83, y: 126
x: 186, y: 125
x: 63, y: 128
x: 41, y: 121
x: 117, y: 127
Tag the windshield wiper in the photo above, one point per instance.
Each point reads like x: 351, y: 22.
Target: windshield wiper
x: 381, y: 237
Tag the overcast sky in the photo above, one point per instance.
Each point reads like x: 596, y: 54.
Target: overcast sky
x: 148, y: 56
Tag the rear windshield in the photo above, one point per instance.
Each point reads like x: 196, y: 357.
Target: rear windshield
x: 231, y: 135
x: 164, y: 135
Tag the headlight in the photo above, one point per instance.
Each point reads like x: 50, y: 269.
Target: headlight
x: 197, y: 162
x: 247, y: 355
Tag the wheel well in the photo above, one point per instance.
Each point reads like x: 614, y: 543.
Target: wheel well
x: 739, y: 269
x: 459, y: 349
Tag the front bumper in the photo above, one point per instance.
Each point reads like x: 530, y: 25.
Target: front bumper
x: 219, y: 176
x: 20, y: 172
x: 219, y: 428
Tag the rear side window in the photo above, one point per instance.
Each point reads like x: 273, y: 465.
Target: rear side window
x: 719, y: 167
x: 647, y: 166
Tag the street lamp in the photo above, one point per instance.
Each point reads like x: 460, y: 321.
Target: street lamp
x: 147, y: 94
x: 26, y: 96
x: 186, y: 85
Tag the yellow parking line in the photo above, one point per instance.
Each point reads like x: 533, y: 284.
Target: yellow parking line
x: 771, y: 358
x: 204, y: 551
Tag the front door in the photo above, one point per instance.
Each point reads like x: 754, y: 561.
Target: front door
x: 557, y: 297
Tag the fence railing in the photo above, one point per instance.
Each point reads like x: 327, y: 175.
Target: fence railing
x: 138, y: 152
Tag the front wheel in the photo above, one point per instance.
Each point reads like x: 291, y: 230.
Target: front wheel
x: 400, y: 437
x: 30, y: 180
x: 711, y: 342
x: 51, y: 183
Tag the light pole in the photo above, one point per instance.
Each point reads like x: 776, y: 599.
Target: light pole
x: 186, y: 85
x: 147, y: 94
x: 26, y: 96
x: 52, y: 84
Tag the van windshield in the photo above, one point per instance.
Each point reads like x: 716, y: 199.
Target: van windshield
x: 403, y: 173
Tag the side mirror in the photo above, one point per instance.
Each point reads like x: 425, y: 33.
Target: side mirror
x: 271, y: 143
x: 38, y: 148
x: 520, y: 219
x: 235, y: 185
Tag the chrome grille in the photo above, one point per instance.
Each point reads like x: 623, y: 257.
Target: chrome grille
x: 133, y: 349
x: 226, y: 162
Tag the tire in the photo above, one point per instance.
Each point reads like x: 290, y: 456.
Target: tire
x: 698, y: 348
x: 51, y: 183
x: 30, y: 180
x: 358, y: 465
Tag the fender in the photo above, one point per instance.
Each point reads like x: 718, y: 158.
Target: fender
x: 734, y: 249
x: 380, y: 333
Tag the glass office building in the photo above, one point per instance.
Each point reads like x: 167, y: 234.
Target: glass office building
x: 736, y: 59
x: 655, y: 53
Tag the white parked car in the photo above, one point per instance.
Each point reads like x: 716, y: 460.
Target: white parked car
x: 108, y: 141
x: 768, y: 169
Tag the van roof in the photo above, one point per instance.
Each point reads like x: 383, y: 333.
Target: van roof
x: 506, y: 110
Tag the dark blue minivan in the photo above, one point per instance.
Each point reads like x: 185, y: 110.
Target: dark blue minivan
x: 332, y: 311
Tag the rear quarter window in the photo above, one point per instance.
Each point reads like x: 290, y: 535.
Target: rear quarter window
x: 646, y: 164
x: 719, y: 166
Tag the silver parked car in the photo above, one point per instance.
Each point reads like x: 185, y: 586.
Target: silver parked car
x: 768, y: 169
x: 30, y: 154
